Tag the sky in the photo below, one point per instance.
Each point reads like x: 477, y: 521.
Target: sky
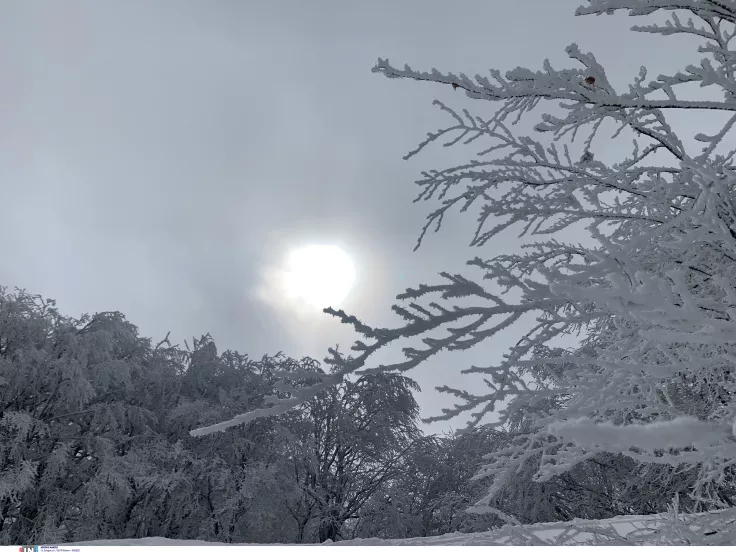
x: 161, y: 158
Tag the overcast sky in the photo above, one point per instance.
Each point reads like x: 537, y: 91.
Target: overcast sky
x: 157, y: 157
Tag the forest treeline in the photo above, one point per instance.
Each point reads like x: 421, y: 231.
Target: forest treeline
x: 95, y: 444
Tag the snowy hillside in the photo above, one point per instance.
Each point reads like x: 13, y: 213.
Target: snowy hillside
x: 714, y: 528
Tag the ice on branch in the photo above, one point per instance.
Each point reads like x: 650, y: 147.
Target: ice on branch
x: 649, y: 285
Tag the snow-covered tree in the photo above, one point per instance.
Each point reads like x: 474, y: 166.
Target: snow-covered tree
x: 347, y: 442
x: 652, y: 289
x: 69, y: 416
x: 433, y: 493
x: 655, y: 293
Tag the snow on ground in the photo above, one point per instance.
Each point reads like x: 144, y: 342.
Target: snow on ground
x: 712, y: 528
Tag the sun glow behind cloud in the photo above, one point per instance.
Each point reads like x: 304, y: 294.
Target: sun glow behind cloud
x: 319, y: 275
x: 308, y: 279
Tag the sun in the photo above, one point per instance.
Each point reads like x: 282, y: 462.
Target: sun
x: 320, y: 275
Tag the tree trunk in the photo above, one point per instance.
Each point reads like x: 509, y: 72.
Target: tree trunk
x: 328, y: 528
x: 301, y: 524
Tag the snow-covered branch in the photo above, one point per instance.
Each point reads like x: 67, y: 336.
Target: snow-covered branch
x: 651, y: 286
